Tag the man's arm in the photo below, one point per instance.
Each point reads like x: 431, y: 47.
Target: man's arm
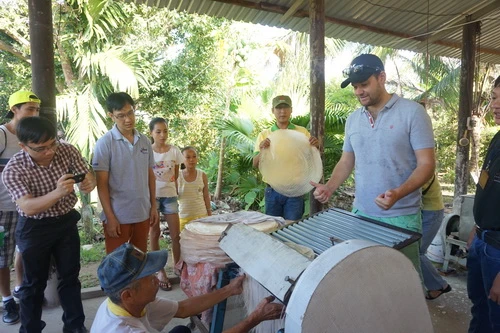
x: 112, y: 224
x: 264, y: 144
x: 195, y: 305
x: 426, y: 163
x: 264, y: 311
x: 153, y: 213
x: 340, y: 173
x: 35, y: 205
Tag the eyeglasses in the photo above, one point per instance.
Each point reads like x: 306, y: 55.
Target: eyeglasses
x: 122, y: 116
x: 355, y: 69
x: 53, y: 146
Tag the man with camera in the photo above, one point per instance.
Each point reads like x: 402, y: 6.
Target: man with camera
x: 40, y: 179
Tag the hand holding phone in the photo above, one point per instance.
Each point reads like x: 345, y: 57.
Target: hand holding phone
x: 79, y: 178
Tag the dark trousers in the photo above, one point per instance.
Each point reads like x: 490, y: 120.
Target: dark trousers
x: 38, y: 240
x: 483, y: 265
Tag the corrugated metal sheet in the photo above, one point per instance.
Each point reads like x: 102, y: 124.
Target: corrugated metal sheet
x: 391, y: 23
x: 318, y: 231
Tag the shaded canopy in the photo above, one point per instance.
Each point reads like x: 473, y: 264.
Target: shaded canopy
x: 416, y: 25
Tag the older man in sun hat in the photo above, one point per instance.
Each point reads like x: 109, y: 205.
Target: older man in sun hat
x: 127, y: 276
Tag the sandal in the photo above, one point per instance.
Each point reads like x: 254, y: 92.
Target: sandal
x: 441, y: 291
x: 165, y: 285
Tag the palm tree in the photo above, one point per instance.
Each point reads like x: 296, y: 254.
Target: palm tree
x: 101, y: 66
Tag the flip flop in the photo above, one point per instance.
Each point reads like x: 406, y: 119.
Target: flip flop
x: 165, y: 285
x: 441, y: 291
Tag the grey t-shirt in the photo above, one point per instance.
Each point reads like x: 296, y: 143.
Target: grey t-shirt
x: 11, y: 147
x: 384, y: 154
x: 128, y: 166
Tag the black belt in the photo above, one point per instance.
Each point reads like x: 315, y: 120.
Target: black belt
x: 73, y: 213
x: 490, y: 237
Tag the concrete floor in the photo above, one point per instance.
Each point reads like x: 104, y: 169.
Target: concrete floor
x: 52, y: 316
x: 450, y: 313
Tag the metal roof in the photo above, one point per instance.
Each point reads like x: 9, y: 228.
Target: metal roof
x: 417, y: 25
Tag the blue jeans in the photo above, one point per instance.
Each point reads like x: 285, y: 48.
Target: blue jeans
x: 290, y: 208
x: 483, y: 265
x: 431, y: 222
x: 38, y: 240
x: 167, y: 205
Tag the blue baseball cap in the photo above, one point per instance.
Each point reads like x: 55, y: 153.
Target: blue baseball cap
x: 361, y: 68
x: 127, y: 264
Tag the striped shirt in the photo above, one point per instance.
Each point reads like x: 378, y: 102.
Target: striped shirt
x: 191, y: 199
x: 22, y: 176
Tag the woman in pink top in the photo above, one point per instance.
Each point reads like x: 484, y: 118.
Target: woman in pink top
x: 166, y: 169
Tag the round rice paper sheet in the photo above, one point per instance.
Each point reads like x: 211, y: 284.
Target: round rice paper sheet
x: 290, y: 163
x: 201, y: 228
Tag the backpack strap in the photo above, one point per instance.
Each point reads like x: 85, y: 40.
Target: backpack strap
x: 5, y: 141
x: 3, y: 161
x: 428, y: 187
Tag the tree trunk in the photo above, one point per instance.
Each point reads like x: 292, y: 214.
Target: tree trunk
x: 465, y: 108
x: 317, y: 77
x: 87, y: 214
x: 7, y: 48
x: 69, y: 76
x: 477, y: 128
x: 218, y: 187
x: 42, y: 56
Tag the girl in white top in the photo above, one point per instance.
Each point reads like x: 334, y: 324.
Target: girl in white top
x: 166, y: 169
x: 194, y: 201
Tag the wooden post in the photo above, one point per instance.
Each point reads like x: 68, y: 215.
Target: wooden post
x: 317, y: 99
x: 465, y: 107
x: 42, y: 56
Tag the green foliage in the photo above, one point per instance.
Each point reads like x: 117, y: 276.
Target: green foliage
x: 95, y: 254
x: 188, y: 75
x: 251, y: 188
x: 445, y: 137
x: 15, y: 70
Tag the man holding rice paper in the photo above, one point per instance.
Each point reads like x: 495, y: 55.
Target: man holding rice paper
x: 283, y: 153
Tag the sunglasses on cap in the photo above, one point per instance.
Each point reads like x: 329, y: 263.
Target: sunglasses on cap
x: 357, y: 69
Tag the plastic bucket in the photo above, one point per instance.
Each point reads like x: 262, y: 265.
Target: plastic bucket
x: 435, y: 251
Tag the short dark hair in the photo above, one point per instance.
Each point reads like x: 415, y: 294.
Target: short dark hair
x: 116, y: 101
x: 189, y: 148
x: 497, y: 82
x: 35, y: 130
x: 156, y: 120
